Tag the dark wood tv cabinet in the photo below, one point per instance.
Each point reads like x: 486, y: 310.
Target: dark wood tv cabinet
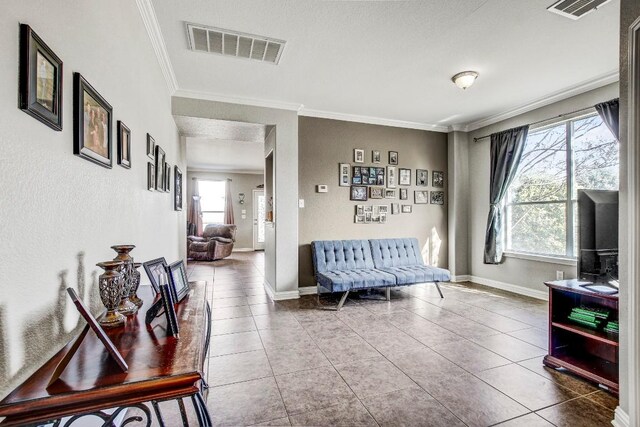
x: 161, y: 368
x: 588, y: 353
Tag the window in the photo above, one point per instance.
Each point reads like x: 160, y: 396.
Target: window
x: 558, y: 160
x: 212, y: 201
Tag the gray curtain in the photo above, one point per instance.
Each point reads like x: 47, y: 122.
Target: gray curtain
x: 609, y: 112
x: 228, y: 204
x: 506, y: 153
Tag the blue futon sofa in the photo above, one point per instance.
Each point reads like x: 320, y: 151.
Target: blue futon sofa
x: 349, y: 265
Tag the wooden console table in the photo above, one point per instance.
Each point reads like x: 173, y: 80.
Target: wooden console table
x: 590, y: 353
x: 160, y: 368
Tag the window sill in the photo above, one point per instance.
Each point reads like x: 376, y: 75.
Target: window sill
x: 542, y: 258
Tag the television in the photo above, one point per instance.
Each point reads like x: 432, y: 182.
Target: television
x: 598, y: 235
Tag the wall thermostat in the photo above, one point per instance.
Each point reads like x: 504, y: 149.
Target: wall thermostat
x: 322, y: 188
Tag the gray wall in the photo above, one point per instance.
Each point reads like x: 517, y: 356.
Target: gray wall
x: 520, y: 272
x: 240, y: 183
x: 323, y: 144
x: 458, y: 160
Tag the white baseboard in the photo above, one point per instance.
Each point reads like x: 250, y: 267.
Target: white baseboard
x: 242, y: 250
x: 279, y: 296
x: 516, y: 289
x: 461, y: 278
x: 621, y: 418
x: 308, y: 290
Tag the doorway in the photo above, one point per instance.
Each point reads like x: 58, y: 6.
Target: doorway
x: 258, y: 220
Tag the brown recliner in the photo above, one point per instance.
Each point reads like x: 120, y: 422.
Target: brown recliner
x: 216, y: 243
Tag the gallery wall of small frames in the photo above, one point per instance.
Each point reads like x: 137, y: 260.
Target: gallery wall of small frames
x: 391, y: 182
x: 40, y: 95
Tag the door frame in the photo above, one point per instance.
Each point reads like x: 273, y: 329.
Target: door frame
x: 254, y: 220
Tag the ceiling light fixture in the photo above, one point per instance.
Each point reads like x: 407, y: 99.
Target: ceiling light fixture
x: 465, y: 79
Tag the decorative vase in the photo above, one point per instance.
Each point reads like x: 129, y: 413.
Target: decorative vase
x: 110, y: 285
x: 135, y: 282
x: 126, y: 307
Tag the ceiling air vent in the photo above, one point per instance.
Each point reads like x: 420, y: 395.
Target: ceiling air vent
x: 233, y: 43
x: 576, y: 9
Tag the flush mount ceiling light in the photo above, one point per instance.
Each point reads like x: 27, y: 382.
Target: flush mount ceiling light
x: 464, y: 79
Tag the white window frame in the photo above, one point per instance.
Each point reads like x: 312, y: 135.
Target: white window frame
x: 222, y: 211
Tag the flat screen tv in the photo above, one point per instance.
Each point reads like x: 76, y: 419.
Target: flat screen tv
x: 598, y: 235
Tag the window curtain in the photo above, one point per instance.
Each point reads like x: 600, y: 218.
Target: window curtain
x: 194, y: 220
x: 228, y: 204
x: 506, y: 153
x: 609, y: 112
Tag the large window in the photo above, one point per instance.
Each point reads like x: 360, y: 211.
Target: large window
x: 558, y: 160
x: 212, y: 201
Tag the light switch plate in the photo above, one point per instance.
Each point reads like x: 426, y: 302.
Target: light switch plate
x: 322, y: 188
x: 301, y: 203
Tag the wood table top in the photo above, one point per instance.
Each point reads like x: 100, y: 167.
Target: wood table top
x: 574, y: 285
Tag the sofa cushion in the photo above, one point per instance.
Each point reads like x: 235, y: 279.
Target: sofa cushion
x: 338, y: 255
x: 347, y: 280
x: 410, y: 274
x: 199, y: 246
x: 222, y: 239
x: 395, y: 252
x: 227, y: 231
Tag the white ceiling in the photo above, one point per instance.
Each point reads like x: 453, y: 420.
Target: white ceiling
x: 221, y: 129
x: 224, y: 155
x: 394, y: 59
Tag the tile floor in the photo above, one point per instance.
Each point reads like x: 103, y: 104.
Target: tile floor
x: 473, y: 358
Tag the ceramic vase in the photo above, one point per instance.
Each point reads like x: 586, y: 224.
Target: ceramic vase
x: 126, y: 307
x: 110, y: 286
x: 135, y: 282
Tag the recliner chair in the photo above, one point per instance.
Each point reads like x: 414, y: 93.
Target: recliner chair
x: 216, y: 243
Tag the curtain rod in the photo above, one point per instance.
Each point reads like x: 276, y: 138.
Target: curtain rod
x: 559, y: 116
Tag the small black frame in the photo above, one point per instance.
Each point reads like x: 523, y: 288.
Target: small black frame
x: 177, y: 188
x: 153, y: 268
x: 124, y: 154
x: 178, y: 279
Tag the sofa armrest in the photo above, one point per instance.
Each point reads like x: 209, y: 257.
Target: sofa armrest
x: 196, y: 239
x: 222, y: 239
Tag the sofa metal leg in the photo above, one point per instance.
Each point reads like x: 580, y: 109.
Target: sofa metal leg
x: 388, y: 292
x: 439, y: 291
x: 342, y: 300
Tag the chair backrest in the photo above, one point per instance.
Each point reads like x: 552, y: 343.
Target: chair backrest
x: 396, y: 252
x: 331, y: 255
x: 220, y: 230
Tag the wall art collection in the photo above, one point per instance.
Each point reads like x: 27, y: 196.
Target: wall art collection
x: 378, y: 182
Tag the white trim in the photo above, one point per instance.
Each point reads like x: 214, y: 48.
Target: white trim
x: 307, y: 290
x: 621, y: 418
x: 152, y: 26
x: 541, y: 258
x: 461, y: 278
x: 371, y: 120
x: 232, y: 99
x: 603, y: 80
x: 279, y: 296
x: 516, y: 289
x: 225, y: 171
x: 242, y: 250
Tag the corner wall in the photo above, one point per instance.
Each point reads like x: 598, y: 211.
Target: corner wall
x: 61, y: 213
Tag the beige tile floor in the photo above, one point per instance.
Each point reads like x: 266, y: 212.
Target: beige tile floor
x: 473, y: 358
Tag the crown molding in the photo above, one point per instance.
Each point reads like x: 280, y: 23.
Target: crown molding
x: 207, y: 96
x: 371, y: 120
x: 225, y: 171
x: 152, y: 26
x: 595, y: 83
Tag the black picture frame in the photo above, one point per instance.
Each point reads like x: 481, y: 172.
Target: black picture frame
x: 37, y: 60
x: 168, y: 300
x: 437, y: 197
x: 124, y: 145
x: 437, y: 179
x: 154, y: 268
x: 421, y: 197
x: 404, y: 194
x: 393, y: 157
x: 177, y: 188
x: 151, y: 176
x: 159, y: 164
x: 422, y: 177
x: 151, y: 147
x: 89, y: 105
x: 178, y: 279
x: 167, y: 178
x: 359, y: 193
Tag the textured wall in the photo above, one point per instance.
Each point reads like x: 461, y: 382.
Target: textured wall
x: 458, y: 159
x: 323, y: 144
x: 55, y: 205
x: 240, y: 183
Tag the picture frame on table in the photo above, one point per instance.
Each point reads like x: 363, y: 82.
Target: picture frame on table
x: 40, y: 80
x: 404, y: 176
x: 391, y: 177
x: 92, y: 124
x: 393, y: 157
x: 151, y: 147
x: 155, y: 269
x: 437, y: 179
x: 178, y: 280
x: 376, y: 192
x: 124, y: 145
x: 375, y: 156
x: 159, y: 164
x: 177, y: 189
x: 421, y: 197
x: 151, y: 176
x: 359, y: 193
x: 404, y: 194
x: 345, y: 178
x: 437, y: 197
x: 407, y: 208
x: 422, y: 177
x: 358, y: 155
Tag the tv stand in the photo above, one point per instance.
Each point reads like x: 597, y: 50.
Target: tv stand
x: 592, y: 354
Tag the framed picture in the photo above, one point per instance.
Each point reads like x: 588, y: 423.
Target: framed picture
x: 178, y: 280
x: 391, y: 177
x: 422, y: 177
x: 359, y: 193
x: 160, y: 161
x: 358, y: 219
x: 383, y: 209
x: 376, y: 192
x: 155, y: 269
x: 358, y: 155
x: 380, y: 173
x: 344, y: 175
x: 364, y: 173
x: 389, y: 194
x: 124, y: 145
x: 368, y: 217
x: 40, y: 81
x: 151, y: 176
x: 375, y: 156
x: 395, y: 208
x: 373, y: 176
x: 404, y: 194
x: 167, y: 178
x: 437, y: 180
x: 356, y: 176
x: 177, y: 188
x: 407, y: 208
x: 393, y: 157
x: 359, y: 209
x: 421, y: 197
x: 368, y: 209
x: 405, y: 176
x: 168, y: 300
x: 151, y: 147
x: 437, y: 197
x: 382, y: 219
x: 92, y: 123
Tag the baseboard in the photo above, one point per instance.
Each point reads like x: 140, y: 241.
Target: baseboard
x: 308, y: 290
x: 279, y: 296
x: 621, y: 418
x: 242, y: 250
x: 461, y: 278
x: 516, y: 289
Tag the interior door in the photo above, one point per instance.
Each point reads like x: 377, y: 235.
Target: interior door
x: 258, y: 220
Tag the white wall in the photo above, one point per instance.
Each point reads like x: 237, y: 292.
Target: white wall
x: 524, y: 273
x: 56, y: 205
